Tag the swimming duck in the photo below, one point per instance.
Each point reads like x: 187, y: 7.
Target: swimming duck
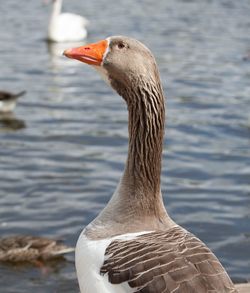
x: 30, y: 248
x: 8, y: 101
x: 133, y: 245
x: 65, y: 27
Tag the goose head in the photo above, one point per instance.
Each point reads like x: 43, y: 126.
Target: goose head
x: 131, y: 70
x: 124, y: 62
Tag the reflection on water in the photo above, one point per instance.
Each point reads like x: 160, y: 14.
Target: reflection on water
x: 57, y: 49
x: 246, y: 57
x: 8, y: 121
x: 60, y: 170
x: 57, y: 60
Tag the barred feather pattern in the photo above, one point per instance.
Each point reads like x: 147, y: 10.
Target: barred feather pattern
x: 22, y: 248
x: 172, y: 261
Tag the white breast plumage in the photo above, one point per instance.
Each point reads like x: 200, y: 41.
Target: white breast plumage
x: 90, y: 256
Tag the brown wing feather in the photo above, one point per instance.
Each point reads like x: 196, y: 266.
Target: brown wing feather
x: 177, y: 262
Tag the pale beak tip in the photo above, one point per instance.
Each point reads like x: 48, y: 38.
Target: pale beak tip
x: 67, y: 53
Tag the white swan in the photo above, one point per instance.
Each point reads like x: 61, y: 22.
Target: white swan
x: 65, y: 27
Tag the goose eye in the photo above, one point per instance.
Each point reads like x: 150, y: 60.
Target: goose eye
x: 121, y: 45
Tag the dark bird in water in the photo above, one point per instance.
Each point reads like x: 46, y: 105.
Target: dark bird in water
x: 23, y: 248
x: 8, y: 101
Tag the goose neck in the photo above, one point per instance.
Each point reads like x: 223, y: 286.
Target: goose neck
x: 146, y: 110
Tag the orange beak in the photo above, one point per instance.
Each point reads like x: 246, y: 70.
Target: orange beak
x: 91, y: 54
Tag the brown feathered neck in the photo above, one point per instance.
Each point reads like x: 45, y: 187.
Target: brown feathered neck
x: 137, y: 203
x: 146, y: 111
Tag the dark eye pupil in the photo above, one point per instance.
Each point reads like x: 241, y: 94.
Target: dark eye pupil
x: 121, y: 45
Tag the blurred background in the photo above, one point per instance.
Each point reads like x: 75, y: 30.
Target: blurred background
x: 63, y: 149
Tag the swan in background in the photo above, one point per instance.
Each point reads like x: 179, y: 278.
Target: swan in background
x: 65, y: 27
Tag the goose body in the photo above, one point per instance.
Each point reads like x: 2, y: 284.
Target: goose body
x: 8, y: 101
x: 133, y: 245
x: 24, y: 248
x: 66, y: 27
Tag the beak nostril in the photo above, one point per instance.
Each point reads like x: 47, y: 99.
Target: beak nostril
x: 91, y: 54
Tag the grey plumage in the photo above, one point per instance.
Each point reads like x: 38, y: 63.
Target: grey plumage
x: 167, y: 258
x: 166, y: 261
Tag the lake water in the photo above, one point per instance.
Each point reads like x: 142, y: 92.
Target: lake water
x: 63, y: 150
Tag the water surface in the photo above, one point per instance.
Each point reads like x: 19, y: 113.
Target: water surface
x: 63, y: 150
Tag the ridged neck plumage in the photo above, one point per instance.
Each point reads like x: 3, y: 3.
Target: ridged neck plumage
x: 137, y: 203
x: 146, y: 111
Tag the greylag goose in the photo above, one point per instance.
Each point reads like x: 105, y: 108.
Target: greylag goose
x: 133, y: 245
x: 31, y: 248
x: 65, y: 27
x: 8, y: 101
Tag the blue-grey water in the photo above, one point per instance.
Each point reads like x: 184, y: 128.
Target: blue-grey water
x: 62, y: 152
